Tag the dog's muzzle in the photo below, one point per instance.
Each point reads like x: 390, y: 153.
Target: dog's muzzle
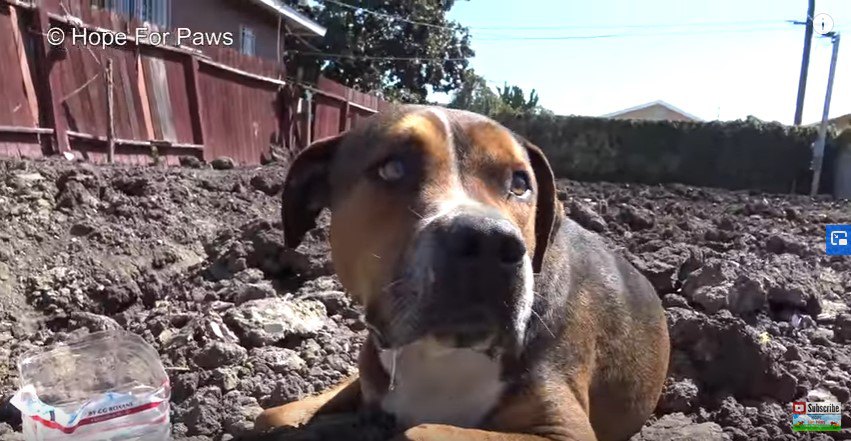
x: 464, y: 282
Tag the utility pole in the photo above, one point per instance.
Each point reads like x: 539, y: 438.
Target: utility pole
x: 805, y: 62
x: 818, y: 153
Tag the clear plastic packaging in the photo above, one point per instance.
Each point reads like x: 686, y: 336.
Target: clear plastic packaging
x: 105, y: 386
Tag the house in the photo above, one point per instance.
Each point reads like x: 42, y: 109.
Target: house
x: 257, y: 26
x: 654, y: 111
x: 840, y: 123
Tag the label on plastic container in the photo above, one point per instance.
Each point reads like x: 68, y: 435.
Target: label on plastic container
x: 102, y: 408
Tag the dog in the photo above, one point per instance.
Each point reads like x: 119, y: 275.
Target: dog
x: 491, y: 315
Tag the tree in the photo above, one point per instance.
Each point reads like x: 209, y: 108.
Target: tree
x: 514, y: 98
x: 476, y: 96
x: 377, y: 51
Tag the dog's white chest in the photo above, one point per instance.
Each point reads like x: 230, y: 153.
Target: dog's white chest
x: 440, y: 385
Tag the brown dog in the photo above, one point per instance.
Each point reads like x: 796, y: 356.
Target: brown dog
x: 491, y: 316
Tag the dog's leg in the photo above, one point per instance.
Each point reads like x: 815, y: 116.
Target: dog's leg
x: 341, y: 399
x: 437, y: 432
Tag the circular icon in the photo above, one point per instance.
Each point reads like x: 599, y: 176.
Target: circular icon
x: 822, y: 24
x: 55, y: 36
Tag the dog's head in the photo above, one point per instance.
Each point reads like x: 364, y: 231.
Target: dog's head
x: 439, y: 218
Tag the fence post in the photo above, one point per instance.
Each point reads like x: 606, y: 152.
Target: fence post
x: 26, y: 75
x: 49, y: 84
x: 308, y: 133
x: 110, y: 114
x: 196, y: 103
x: 344, y: 117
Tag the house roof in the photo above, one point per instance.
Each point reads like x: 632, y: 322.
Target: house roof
x: 651, y: 104
x: 840, y: 121
x: 297, y: 21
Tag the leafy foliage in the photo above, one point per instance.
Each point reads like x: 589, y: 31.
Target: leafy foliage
x: 432, y: 53
x: 476, y: 96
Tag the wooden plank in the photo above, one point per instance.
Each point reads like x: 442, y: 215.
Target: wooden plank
x: 129, y: 98
x: 30, y: 130
x: 110, y: 113
x: 162, y: 100
x: 344, y: 117
x: 142, y: 84
x: 133, y: 142
x: 196, y: 104
x: 26, y: 75
x: 49, y: 84
x: 241, y: 72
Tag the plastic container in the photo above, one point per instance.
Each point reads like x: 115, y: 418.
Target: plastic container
x: 105, y: 386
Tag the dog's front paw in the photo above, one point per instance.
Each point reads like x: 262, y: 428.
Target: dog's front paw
x: 417, y: 433
x: 294, y: 414
x: 433, y: 432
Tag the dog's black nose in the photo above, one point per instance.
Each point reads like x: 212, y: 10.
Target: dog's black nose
x: 482, y: 237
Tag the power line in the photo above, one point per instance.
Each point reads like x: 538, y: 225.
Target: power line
x: 367, y: 57
x: 624, y: 26
x: 627, y: 35
x: 390, y: 16
x: 630, y: 26
x: 320, y: 54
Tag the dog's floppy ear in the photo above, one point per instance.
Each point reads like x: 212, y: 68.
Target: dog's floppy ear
x: 548, y: 212
x: 307, y: 189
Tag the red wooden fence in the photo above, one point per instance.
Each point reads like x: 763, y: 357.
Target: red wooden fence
x: 168, y: 101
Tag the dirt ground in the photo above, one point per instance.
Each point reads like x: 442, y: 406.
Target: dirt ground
x: 192, y: 259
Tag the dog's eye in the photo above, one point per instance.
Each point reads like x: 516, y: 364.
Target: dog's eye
x: 392, y: 170
x: 520, y: 185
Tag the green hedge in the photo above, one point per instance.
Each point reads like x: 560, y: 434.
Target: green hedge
x: 734, y: 155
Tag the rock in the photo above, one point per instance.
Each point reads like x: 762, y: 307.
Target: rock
x: 254, y: 291
x: 191, y: 162
x: 637, y: 218
x: 710, y: 285
x: 747, y: 295
x: 782, y: 243
x: 184, y: 386
x: 277, y: 360
x: 820, y: 336
x: 586, y: 217
x: 93, y: 322
x: 336, y: 302
x: 662, y: 267
x: 269, y: 321
x: 725, y: 354
x: 238, y: 413
x: 82, y: 229
x: 223, y: 163
x: 678, y: 427
x: 674, y: 301
x: 223, y: 378
x: 217, y: 354
x: 821, y: 395
x: 679, y: 396
x: 711, y: 298
x: 203, y: 412
x: 139, y: 186
x: 842, y: 328
x: 269, y: 180
x: 74, y: 195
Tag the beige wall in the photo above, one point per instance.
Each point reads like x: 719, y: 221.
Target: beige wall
x: 228, y: 16
x: 655, y: 112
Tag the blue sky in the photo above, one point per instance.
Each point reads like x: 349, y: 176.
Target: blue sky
x: 720, y: 58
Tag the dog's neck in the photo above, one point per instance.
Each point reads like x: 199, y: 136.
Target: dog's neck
x: 429, y: 382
